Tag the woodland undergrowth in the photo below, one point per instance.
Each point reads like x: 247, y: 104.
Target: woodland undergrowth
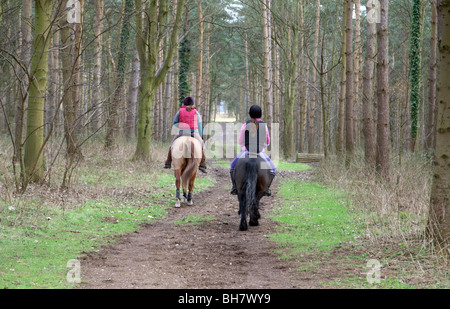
x: 394, y: 210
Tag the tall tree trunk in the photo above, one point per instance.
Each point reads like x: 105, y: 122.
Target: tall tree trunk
x: 325, y: 131
x: 439, y: 217
x: 199, y: 85
x: 382, y: 160
x: 130, y: 130
x: 167, y: 103
x: 304, y: 65
x: 25, y: 55
x: 247, y: 78
x: 51, y: 100
x: 70, y: 107
x: 98, y: 91
x: 312, y: 106
x: 405, y: 119
x: 368, y: 94
x: 290, y: 82
x: 22, y: 102
x: 77, y: 87
x: 151, y: 78
x: 341, y: 109
x: 267, y: 33
x: 184, y: 88
x: 207, y: 81
x: 34, y: 159
x: 349, y: 83
x: 357, y: 74
x: 430, y: 135
x: 414, y: 58
x: 113, y: 106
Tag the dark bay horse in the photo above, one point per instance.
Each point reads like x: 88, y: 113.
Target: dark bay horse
x: 252, y: 182
x: 186, y: 156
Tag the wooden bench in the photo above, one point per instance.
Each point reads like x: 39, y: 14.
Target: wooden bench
x: 309, y: 157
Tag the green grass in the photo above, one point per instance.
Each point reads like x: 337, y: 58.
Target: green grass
x: 38, y: 237
x: 320, y: 230
x: 314, y: 221
x: 293, y: 167
x: 313, y: 218
x: 36, y: 256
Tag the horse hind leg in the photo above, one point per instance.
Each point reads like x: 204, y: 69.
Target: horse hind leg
x: 254, y: 219
x: 177, y: 183
x: 243, y: 213
x: 191, y: 188
x: 254, y: 216
x: 178, y: 201
x: 189, y: 199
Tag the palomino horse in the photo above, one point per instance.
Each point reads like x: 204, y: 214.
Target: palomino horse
x: 186, y: 156
x: 252, y: 182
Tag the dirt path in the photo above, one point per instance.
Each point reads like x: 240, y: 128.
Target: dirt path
x: 214, y: 254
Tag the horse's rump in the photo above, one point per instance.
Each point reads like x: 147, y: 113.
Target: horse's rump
x: 186, y: 147
x: 186, y: 155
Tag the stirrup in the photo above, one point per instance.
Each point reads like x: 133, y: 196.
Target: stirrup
x: 234, y: 191
x: 203, y: 169
x: 167, y: 165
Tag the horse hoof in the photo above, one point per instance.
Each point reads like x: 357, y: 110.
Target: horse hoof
x: 243, y: 227
x: 251, y: 223
x: 190, y: 203
x: 178, y: 204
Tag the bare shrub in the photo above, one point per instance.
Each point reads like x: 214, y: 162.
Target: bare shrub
x: 393, y: 210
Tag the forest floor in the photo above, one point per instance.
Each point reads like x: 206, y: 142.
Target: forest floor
x: 119, y: 221
x: 201, y: 246
x: 196, y: 246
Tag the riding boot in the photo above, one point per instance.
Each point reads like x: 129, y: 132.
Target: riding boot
x: 202, y: 166
x: 272, y: 176
x: 233, y: 190
x: 168, y: 163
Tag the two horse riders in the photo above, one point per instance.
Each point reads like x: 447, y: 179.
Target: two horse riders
x: 254, y: 137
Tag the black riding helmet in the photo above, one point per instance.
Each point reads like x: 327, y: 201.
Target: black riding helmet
x: 255, y: 112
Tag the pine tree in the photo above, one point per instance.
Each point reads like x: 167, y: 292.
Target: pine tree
x: 414, y: 66
x: 184, y: 89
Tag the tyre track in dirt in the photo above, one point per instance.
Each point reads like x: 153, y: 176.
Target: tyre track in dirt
x: 212, y: 255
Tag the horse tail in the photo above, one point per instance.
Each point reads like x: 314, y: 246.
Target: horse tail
x: 251, y: 168
x: 191, y: 163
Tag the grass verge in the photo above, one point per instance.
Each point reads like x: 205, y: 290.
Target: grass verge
x: 329, y: 236
x: 110, y: 195
x: 313, y: 218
